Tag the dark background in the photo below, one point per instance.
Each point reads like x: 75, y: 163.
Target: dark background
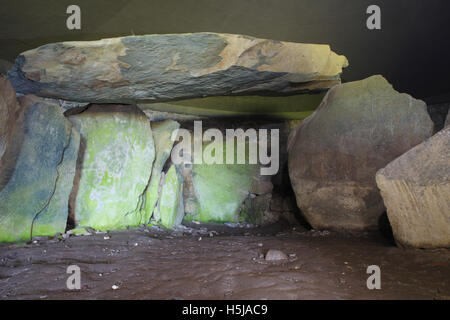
x: 412, y: 49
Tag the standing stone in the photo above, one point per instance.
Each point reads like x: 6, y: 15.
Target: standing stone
x: 334, y: 154
x: 164, y: 137
x: 153, y: 68
x: 34, y: 196
x: 117, y: 162
x: 221, y: 189
x: 416, y: 190
x: 170, y: 204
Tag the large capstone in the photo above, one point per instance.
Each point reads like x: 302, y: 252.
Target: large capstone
x: 38, y: 172
x: 164, y: 134
x: 334, y: 154
x: 153, y: 68
x: 416, y: 190
x: 117, y: 162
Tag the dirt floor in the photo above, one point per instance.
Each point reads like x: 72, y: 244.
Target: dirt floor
x: 221, y: 263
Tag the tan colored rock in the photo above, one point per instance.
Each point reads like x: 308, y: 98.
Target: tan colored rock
x: 416, y: 191
x: 335, y: 153
x: 152, y: 68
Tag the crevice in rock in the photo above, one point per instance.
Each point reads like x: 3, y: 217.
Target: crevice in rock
x: 76, y: 185
x: 37, y: 214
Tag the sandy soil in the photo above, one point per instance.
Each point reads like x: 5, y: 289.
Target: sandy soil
x: 149, y: 263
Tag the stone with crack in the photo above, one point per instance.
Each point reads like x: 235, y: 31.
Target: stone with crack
x: 116, y: 165
x: 34, y: 195
x: 164, y: 134
x: 170, y: 204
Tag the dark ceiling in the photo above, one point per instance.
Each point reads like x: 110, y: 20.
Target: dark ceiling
x: 412, y: 49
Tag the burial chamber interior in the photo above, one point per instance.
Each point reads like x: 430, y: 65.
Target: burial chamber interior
x: 156, y: 169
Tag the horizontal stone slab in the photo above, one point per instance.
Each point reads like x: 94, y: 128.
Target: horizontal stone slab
x: 158, y: 68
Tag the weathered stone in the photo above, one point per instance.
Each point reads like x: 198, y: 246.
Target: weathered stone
x: 11, y: 116
x: 276, y: 203
x: 256, y: 210
x: 53, y: 219
x: 220, y: 189
x: 175, y: 66
x: 164, y: 134
x: 275, y: 255
x: 416, y: 190
x: 170, y: 204
x: 261, y: 185
x: 117, y: 162
x: 34, y: 197
x: 334, y: 154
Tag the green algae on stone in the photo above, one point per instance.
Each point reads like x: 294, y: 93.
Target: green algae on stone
x: 28, y: 195
x: 286, y: 107
x: 118, y: 158
x: 221, y: 189
x: 170, y: 205
x: 55, y: 215
x: 163, y: 139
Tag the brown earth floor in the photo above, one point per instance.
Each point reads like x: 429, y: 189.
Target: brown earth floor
x: 148, y: 263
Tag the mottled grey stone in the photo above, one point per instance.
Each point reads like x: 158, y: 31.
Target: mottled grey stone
x: 155, y: 68
x: 335, y: 153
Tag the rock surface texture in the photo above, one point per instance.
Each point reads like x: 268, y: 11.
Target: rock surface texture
x: 335, y: 153
x: 117, y: 162
x: 416, y: 190
x: 38, y: 173
x: 170, y: 205
x: 168, y: 67
x: 164, y: 134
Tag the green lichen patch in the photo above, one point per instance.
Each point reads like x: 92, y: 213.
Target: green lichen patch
x: 116, y: 168
x: 170, y: 205
x: 162, y: 135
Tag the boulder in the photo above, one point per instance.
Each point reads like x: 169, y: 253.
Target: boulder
x: 154, y: 68
x: 40, y: 170
x: 415, y: 188
x: 335, y: 153
x: 275, y: 255
x: 170, y: 204
x: 117, y: 162
x: 164, y: 134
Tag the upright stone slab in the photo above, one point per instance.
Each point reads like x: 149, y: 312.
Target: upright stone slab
x: 416, y: 190
x: 170, y: 204
x: 118, y: 157
x: 153, y: 68
x: 163, y: 136
x: 221, y: 189
x: 34, y: 197
x: 334, y: 154
x: 53, y: 219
